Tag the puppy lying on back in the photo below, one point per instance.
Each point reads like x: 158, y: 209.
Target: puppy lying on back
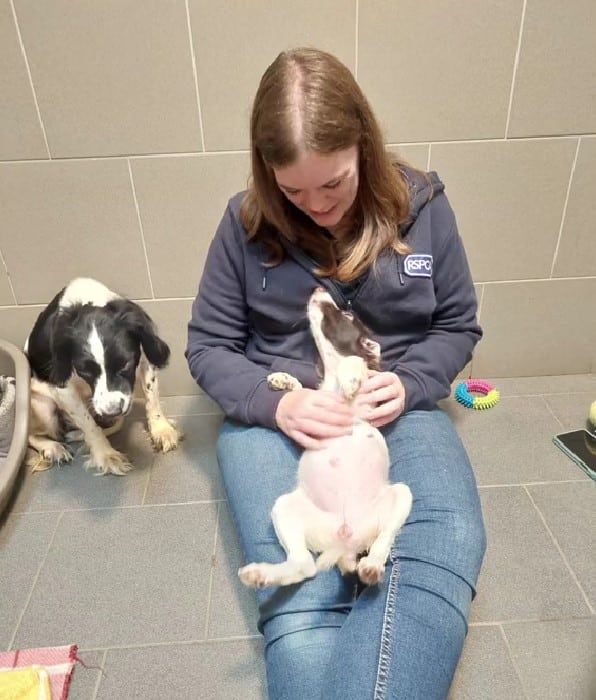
x: 87, y: 349
x: 343, y: 505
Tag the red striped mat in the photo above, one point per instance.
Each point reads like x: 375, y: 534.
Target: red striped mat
x: 58, y: 662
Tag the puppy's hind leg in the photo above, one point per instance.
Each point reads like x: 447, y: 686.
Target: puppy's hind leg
x: 393, y: 511
x: 44, y: 432
x: 163, y: 432
x: 289, y: 517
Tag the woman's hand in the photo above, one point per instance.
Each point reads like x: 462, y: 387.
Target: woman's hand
x: 385, y: 394
x: 311, y: 416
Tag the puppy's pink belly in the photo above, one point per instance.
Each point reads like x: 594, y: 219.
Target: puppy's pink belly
x: 347, y: 477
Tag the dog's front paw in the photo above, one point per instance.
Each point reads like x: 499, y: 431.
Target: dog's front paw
x: 108, y: 461
x: 256, y: 575
x: 370, y: 571
x: 351, y: 372
x: 282, y: 380
x: 164, y: 434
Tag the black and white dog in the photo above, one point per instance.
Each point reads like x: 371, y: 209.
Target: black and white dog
x: 343, y: 505
x: 87, y: 349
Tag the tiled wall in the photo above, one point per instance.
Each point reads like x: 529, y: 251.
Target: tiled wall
x: 123, y: 131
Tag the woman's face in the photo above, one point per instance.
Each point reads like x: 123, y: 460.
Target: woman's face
x: 323, y: 186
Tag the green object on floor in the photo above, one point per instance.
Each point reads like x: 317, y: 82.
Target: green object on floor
x: 592, y: 418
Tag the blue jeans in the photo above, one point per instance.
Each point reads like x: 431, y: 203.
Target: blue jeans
x: 330, y: 637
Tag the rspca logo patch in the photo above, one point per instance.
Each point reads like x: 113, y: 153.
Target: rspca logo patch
x: 418, y: 265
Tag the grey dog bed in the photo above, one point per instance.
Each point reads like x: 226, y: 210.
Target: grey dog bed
x: 14, y: 415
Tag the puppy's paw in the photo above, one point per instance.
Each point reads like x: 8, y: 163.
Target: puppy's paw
x: 164, y: 434
x: 282, y: 380
x: 351, y: 372
x: 370, y: 571
x: 257, y: 575
x: 108, y: 461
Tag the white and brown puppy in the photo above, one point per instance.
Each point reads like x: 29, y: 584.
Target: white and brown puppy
x: 87, y: 349
x: 343, y: 505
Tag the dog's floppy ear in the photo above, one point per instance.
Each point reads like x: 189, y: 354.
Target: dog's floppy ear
x: 142, y: 327
x: 62, y: 346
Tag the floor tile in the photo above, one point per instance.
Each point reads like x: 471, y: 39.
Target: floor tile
x: 570, y: 513
x: 485, y: 669
x: 512, y: 442
x: 233, y: 610
x: 556, y: 660
x: 191, y: 472
x: 215, y: 670
x: 571, y: 409
x: 189, y: 405
x: 24, y: 541
x: 71, y: 487
x: 84, y: 681
x: 557, y: 384
x: 126, y: 576
x: 523, y: 575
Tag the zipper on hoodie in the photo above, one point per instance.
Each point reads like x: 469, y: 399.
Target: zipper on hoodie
x: 399, y: 270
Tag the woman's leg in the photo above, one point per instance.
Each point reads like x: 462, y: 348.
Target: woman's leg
x: 403, y: 639
x: 299, y: 622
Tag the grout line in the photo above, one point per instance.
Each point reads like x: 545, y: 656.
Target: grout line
x: 513, y: 662
x: 212, y: 571
x: 536, y: 279
x: 180, y: 642
x: 14, y: 296
x: 523, y: 484
x: 560, y: 550
x: 564, y: 212
x: 146, y: 489
x: 24, y: 53
x: 35, y: 579
x: 515, y: 66
x: 130, y: 507
x: 134, y: 196
x: 246, y: 151
x: 101, y: 664
x: 428, y: 157
x: 357, y: 18
x: 438, y: 142
x: 553, y: 414
x: 531, y: 620
x: 195, y: 75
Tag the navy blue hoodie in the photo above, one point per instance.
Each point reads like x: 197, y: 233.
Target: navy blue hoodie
x: 249, y: 320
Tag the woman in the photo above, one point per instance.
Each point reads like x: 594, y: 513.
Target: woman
x: 327, y: 207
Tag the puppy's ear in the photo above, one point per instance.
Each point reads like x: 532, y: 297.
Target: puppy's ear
x: 62, y: 347
x: 143, y: 328
x: 372, y: 352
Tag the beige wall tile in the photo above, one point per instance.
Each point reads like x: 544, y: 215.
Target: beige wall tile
x: 438, y: 70
x: 235, y: 41
x: 112, y: 77
x: 555, y: 84
x: 171, y: 319
x: 577, y: 249
x: 6, y: 295
x: 21, y: 136
x: 508, y: 198
x: 416, y: 155
x: 536, y: 328
x: 181, y: 202
x: 68, y: 219
x: 16, y: 323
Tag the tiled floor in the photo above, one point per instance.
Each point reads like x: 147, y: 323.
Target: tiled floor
x: 140, y: 571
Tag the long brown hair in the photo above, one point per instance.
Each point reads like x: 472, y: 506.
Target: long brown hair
x: 308, y: 100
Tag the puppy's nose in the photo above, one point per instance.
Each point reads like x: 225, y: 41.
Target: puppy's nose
x: 115, y: 409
